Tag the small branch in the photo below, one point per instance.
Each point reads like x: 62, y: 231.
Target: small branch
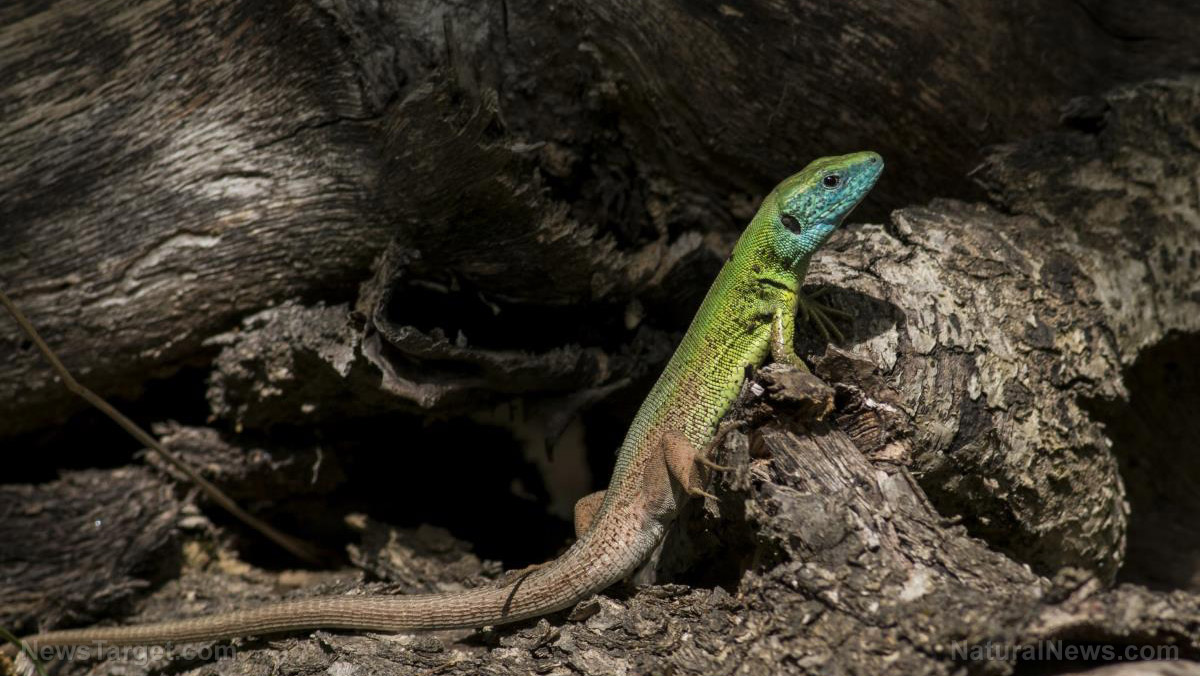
x: 299, y: 548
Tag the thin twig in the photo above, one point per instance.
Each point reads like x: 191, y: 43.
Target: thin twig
x: 296, y: 546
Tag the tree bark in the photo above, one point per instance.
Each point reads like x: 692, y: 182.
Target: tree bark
x: 824, y: 561
x: 355, y: 221
x: 171, y: 170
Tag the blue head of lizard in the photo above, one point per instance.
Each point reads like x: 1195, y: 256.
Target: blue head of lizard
x: 811, y: 204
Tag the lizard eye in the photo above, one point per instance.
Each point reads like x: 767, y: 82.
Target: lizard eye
x: 831, y: 181
x: 789, y: 221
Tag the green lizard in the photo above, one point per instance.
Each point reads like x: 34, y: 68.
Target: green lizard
x: 749, y: 312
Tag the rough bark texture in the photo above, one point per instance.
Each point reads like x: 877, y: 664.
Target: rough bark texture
x: 77, y: 548
x: 408, y: 248
x: 170, y: 169
x: 1000, y: 327
x: 824, y: 562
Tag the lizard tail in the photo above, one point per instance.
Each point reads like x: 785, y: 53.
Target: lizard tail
x: 606, y: 554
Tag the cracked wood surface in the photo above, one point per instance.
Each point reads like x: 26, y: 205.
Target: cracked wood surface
x: 172, y: 169
x: 827, y: 563
x: 242, y: 188
x: 824, y: 554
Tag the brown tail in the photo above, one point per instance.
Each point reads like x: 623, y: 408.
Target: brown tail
x: 611, y: 550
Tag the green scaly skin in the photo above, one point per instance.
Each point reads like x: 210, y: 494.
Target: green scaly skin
x: 756, y: 291
x: 748, y: 314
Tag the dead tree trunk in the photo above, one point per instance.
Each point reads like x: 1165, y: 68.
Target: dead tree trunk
x: 338, y: 225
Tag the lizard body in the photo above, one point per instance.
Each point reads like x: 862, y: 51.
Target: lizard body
x: 748, y: 313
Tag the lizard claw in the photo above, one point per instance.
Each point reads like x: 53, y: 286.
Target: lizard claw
x: 821, y: 315
x: 700, y: 492
x: 703, y: 456
x: 513, y: 576
x: 705, y: 462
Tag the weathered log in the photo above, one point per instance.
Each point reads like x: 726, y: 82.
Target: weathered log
x: 1028, y: 359
x: 170, y: 170
x: 984, y: 344
x: 81, y: 548
x: 999, y: 338
x: 827, y: 562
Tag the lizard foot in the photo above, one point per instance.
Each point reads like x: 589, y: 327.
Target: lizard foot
x: 704, y: 456
x: 514, y: 576
x: 705, y: 462
x: 821, y: 315
x: 681, y: 460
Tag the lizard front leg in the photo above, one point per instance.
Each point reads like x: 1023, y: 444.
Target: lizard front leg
x: 783, y: 333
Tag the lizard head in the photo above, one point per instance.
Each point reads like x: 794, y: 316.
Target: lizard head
x: 812, y: 203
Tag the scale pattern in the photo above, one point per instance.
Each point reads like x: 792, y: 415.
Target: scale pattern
x: 731, y: 332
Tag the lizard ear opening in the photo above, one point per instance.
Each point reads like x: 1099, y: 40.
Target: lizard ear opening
x: 789, y: 221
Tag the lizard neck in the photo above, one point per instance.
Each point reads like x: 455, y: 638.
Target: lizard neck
x: 727, y: 334
x: 767, y: 245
